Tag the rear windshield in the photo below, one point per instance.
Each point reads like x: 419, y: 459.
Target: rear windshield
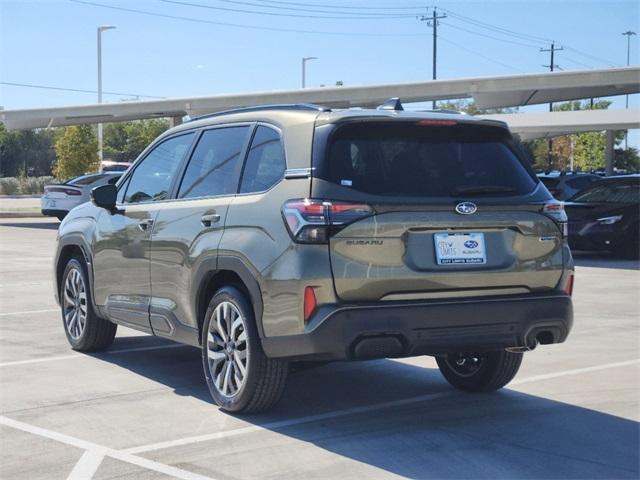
x: 610, y: 192
x: 85, y: 179
x: 414, y: 160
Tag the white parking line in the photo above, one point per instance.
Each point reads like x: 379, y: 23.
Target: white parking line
x: 87, y: 466
x: 80, y: 355
x: 89, y: 460
x: 576, y: 371
x: 352, y: 411
x: 27, y: 312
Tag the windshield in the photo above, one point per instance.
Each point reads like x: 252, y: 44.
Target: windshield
x: 417, y: 160
x: 610, y: 192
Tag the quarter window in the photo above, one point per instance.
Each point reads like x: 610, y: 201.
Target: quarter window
x: 265, y: 162
x: 151, y: 180
x: 214, y: 168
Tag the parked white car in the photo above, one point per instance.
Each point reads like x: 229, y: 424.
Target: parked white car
x: 58, y: 200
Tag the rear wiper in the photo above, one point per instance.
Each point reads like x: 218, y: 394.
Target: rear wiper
x: 481, y: 190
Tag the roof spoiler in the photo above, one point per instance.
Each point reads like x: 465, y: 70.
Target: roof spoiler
x: 391, y: 104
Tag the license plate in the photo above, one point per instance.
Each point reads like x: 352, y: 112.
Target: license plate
x: 460, y: 248
x: 52, y: 204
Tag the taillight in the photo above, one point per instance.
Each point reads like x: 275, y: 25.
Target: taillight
x: 310, y: 303
x: 568, y: 286
x: 67, y: 191
x: 313, y: 221
x: 555, y: 211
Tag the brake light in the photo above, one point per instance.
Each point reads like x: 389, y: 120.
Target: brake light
x: 67, y: 191
x: 436, y: 123
x: 313, y: 221
x: 568, y: 287
x: 310, y: 303
x: 555, y: 210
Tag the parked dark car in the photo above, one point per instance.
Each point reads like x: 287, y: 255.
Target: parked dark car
x: 604, y: 216
x: 565, y: 185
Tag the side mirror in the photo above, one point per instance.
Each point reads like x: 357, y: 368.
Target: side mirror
x: 105, y: 196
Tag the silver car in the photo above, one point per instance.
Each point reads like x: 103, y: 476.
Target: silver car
x: 58, y: 200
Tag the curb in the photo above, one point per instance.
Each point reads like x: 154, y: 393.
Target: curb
x: 21, y: 215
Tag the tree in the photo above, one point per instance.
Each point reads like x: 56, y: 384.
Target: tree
x: 77, y: 151
x: 587, y: 149
x: 29, y: 152
x: 628, y: 159
x: 125, y: 141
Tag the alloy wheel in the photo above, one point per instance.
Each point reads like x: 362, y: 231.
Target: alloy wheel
x: 74, y: 303
x: 227, y: 350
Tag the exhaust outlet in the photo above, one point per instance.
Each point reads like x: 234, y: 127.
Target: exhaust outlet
x: 522, y: 349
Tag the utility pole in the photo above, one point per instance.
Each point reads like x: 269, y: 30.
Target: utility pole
x: 552, y: 66
x: 432, y: 22
x: 628, y: 34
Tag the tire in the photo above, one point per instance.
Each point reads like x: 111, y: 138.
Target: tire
x: 231, y: 348
x: 61, y: 216
x: 484, y: 372
x: 86, y: 332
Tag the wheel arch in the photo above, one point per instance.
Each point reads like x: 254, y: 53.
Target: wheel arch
x: 69, y: 247
x: 213, y: 274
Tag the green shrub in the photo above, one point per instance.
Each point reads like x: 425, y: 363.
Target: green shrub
x: 9, y: 186
x: 25, y: 185
x: 34, y: 185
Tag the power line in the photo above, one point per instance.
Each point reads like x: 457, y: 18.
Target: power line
x: 506, y: 31
x: 79, y: 90
x: 496, y: 28
x: 529, y: 45
x: 315, y: 10
x: 363, y: 7
x: 294, y: 15
x: 462, y: 47
x: 239, y: 25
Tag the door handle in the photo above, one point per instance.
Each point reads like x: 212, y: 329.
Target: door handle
x: 145, y: 224
x: 210, y: 219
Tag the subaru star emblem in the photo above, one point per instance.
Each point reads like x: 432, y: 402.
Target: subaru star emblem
x: 466, y: 208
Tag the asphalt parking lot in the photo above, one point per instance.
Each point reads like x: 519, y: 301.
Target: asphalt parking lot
x: 141, y: 410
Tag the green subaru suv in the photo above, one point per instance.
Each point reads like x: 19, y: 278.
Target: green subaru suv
x: 293, y: 233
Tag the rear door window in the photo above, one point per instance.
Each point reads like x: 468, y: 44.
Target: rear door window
x: 265, y: 163
x: 419, y: 160
x: 214, y: 168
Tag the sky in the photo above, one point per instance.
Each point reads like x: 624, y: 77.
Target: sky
x: 211, y: 49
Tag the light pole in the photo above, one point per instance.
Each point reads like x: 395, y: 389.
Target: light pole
x: 304, y: 69
x: 628, y: 34
x: 101, y: 29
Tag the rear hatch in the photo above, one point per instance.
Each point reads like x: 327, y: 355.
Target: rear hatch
x: 442, y: 209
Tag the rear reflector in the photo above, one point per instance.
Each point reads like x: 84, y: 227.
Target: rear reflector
x: 568, y: 287
x: 310, y: 303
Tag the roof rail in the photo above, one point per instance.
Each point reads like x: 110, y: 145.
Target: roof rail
x: 391, y: 104
x: 259, y: 108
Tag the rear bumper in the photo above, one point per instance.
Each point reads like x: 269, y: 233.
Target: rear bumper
x: 47, y: 212
x: 401, y: 329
